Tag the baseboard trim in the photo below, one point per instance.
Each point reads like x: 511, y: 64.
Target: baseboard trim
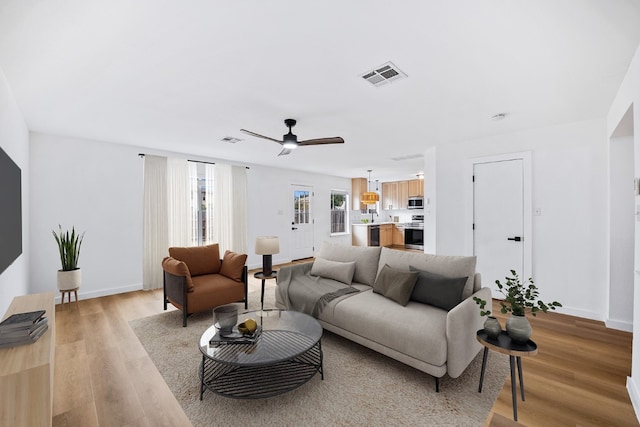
x: 619, y: 325
x: 634, y: 396
x: 103, y: 292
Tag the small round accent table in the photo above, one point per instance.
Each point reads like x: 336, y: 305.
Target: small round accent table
x: 503, y: 344
x: 260, y: 275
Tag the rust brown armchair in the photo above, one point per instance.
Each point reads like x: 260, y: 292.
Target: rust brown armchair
x: 196, y: 279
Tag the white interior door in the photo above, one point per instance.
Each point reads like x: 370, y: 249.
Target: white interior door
x: 498, y: 220
x: 302, y: 222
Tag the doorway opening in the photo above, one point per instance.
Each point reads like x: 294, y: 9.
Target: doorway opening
x: 623, y: 214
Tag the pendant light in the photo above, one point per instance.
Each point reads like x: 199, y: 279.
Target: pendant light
x: 369, y: 197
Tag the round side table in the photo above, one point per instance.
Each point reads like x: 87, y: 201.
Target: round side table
x: 260, y: 275
x: 503, y: 344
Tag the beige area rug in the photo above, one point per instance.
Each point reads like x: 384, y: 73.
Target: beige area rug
x: 360, y: 386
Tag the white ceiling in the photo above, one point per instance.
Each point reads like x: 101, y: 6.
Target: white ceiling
x: 181, y: 75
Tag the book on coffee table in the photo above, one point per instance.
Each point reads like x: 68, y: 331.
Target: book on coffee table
x: 235, y: 338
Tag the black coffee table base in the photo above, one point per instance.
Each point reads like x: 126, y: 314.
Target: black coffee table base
x: 258, y: 382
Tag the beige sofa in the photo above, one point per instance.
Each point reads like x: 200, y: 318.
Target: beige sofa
x: 437, y: 339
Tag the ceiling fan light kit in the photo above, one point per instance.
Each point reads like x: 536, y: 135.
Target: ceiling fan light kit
x: 290, y: 141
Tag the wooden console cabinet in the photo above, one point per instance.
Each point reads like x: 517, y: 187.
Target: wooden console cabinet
x: 26, y: 372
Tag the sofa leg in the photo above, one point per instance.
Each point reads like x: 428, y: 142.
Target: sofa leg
x: 184, y: 317
x: 437, y: 385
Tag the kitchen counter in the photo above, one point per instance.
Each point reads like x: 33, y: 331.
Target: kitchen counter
x: 379, y: 223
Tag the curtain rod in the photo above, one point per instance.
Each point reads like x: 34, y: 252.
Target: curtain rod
x: 194, y: 161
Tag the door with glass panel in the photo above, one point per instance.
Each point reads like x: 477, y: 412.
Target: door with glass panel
x: 302, y: 222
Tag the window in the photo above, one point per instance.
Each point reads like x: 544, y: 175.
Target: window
x: 339, y: 211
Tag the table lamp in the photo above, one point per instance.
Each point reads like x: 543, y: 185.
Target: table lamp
x: 267, y: 246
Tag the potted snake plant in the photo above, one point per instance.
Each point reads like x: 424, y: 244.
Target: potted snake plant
x: 69, y: 243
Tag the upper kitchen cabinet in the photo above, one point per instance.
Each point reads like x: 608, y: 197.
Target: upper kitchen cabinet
x: 395, y: 195
x: 403, y: 194
x: 358, y: 187
x: 389, y: 195
x: 416, y: 187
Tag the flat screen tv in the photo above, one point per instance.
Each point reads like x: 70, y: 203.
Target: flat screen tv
x: 10, y: 211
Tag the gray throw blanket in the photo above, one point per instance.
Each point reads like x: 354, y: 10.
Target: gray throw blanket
x: 306, y: 293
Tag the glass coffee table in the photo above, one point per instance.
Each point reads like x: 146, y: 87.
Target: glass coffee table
x: 286, y: 355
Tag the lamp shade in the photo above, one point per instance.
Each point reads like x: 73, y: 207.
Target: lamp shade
x: 267, y: 245
x: 369, y: 198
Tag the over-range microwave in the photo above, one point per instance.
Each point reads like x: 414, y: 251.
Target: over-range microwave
x: 415, y: 203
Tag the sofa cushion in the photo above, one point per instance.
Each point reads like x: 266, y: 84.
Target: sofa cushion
x: 417, y: 330
x: 395, y: 284
x: 199, y: 259
x: 366, y: 259
x: 444, y: 265
x: 232, y: 265
x: 178, y: 268
x: 438, y: 290
x: 340, y: 271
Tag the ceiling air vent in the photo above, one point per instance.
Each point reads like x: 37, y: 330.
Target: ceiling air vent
x: 408, y: 157
x: 386, y: 73
x: 230, y: 139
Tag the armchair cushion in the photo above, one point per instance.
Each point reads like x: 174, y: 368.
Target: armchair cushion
x: 178, y: 268
x: 199, y: 259
x: 232, y: 265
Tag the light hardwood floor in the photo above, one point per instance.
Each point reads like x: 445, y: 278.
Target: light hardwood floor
x: 103, y: 376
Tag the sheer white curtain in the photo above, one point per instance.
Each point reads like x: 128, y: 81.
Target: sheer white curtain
x: 155, y: 235
x: 179, y: 202
x: 209, y: 175
x: 230, y: 208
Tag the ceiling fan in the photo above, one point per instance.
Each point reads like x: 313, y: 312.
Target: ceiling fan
x: 290, y: 141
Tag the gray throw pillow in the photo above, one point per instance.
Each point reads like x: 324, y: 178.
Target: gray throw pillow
x: 395, y: 284
x: 437, y: 290
x: 340, y: 271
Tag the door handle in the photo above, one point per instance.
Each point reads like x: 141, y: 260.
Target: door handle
x: 294, y: 228
x: 515, y: 239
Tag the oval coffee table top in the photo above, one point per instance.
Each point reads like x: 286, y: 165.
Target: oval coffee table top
x: 285, y: 335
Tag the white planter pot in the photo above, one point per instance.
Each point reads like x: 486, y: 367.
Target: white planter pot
x: 68, y: 280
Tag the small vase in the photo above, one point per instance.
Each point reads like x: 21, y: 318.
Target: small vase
x: 518, y: 328
x: 492, y: 327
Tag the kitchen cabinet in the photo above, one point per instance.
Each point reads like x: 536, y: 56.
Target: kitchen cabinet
x: 390, y: 195
x: 358, y: 186
x: 403, y: 194
x: 386, y: 235
x: 416, y: 187
x: 398, y: 235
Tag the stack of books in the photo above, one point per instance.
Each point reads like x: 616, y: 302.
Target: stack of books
x: 235, y: 338
x: 22, y: 328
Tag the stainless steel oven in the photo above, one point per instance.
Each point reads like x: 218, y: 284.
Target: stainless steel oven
x: 414, y: 233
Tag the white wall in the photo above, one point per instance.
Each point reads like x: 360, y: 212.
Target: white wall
x: 629, y: 96
x: 14, y: 140
x: 569, y: 165
x: 621, y: 234
x: 97, y: 187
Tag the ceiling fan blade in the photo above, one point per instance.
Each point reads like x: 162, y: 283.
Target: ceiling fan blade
x: 320, y: 141
x: 257, y: 135
x: 285, y: 151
